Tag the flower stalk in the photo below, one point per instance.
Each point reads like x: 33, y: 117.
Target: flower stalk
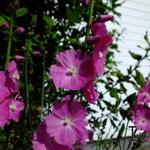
x: 9, y: 42
x: 90, y: 19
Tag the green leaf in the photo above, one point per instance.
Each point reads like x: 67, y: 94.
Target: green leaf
x: 73, y: 15
x: 2, y: 20
x: 48, y: 20
x: 21, y: 12
x: 131, y: 99
x: 146, y: 37
x: 139, y: 78
x: 114, y: 93
x: 124, y: 113
x: 123, y: 89
x: 135, y: 56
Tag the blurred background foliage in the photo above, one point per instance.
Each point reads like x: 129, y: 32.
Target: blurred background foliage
x: 53, y: 26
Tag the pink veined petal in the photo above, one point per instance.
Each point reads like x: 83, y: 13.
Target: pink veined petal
x: 90, y: 93
x: 77, y: 110
x: 99, y: 29
x: 4, y: 93
x: 61, y: 110
x: 15, y: 115
x: 54, y: 124
x: 42, y: 141
x: 12, y: 66
x: 68, y: 58
x: 81, y: 131
x: 3, y: 77
x: 4, y: 113
x: 66, y: 137
x: 38, y: 146
x: 99, y: 67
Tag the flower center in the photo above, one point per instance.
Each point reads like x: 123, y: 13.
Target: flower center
x: 100, y: 54
x: 73, y: 70
x: 144, y: 121
x: 13, y: 107
x: 16, y: 76
x: 67, y: 121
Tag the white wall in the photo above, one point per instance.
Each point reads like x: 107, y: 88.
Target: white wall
x: 136, y: 21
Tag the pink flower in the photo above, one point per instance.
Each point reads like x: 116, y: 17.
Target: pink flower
x: 101, y: 36
x: 99, y: 29
x: 19, y: 57
x: 89, y: 92
x: 20, y: 30
x: 5, y: 26
x: 4, y: 113
x: 141, y: 117
x: 100, y: 41
x: 144, y: 94
x: 16, y: 108
x: 36, y: 53
x: 68, y: 118
x: 4, y: 90
x: 87, y: 2
x: 105, y: 18
x: 42, y: 141
x: 14, y: 76
x: 74, y: 71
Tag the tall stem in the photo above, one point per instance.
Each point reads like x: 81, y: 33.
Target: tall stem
x: 90, y: 19
x: 27, y: 86
x: 9, y: 42
x: 125, y: 135
x: 43, y: 90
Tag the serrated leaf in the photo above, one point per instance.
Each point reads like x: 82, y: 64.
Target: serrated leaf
x: 21, y: 12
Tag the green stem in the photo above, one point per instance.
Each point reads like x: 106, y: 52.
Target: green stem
x: 26, y: 75
x: 9, y: 42
x: 125, y: 135
x: 43, y: 90
x: 27, y: 86
x: 90, y: 19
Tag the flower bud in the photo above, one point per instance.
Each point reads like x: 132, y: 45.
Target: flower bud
x: 20, y: 30
x: 105, y: 18
x: 5, y: 26
x: 19, y: 57
x: 36, y: 53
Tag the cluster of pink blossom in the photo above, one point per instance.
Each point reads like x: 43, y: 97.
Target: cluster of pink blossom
x: 141, y: 111
x: 19, y: 30
x: 63, y: 128
x: 11, y: 104
x: 77, y: 70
